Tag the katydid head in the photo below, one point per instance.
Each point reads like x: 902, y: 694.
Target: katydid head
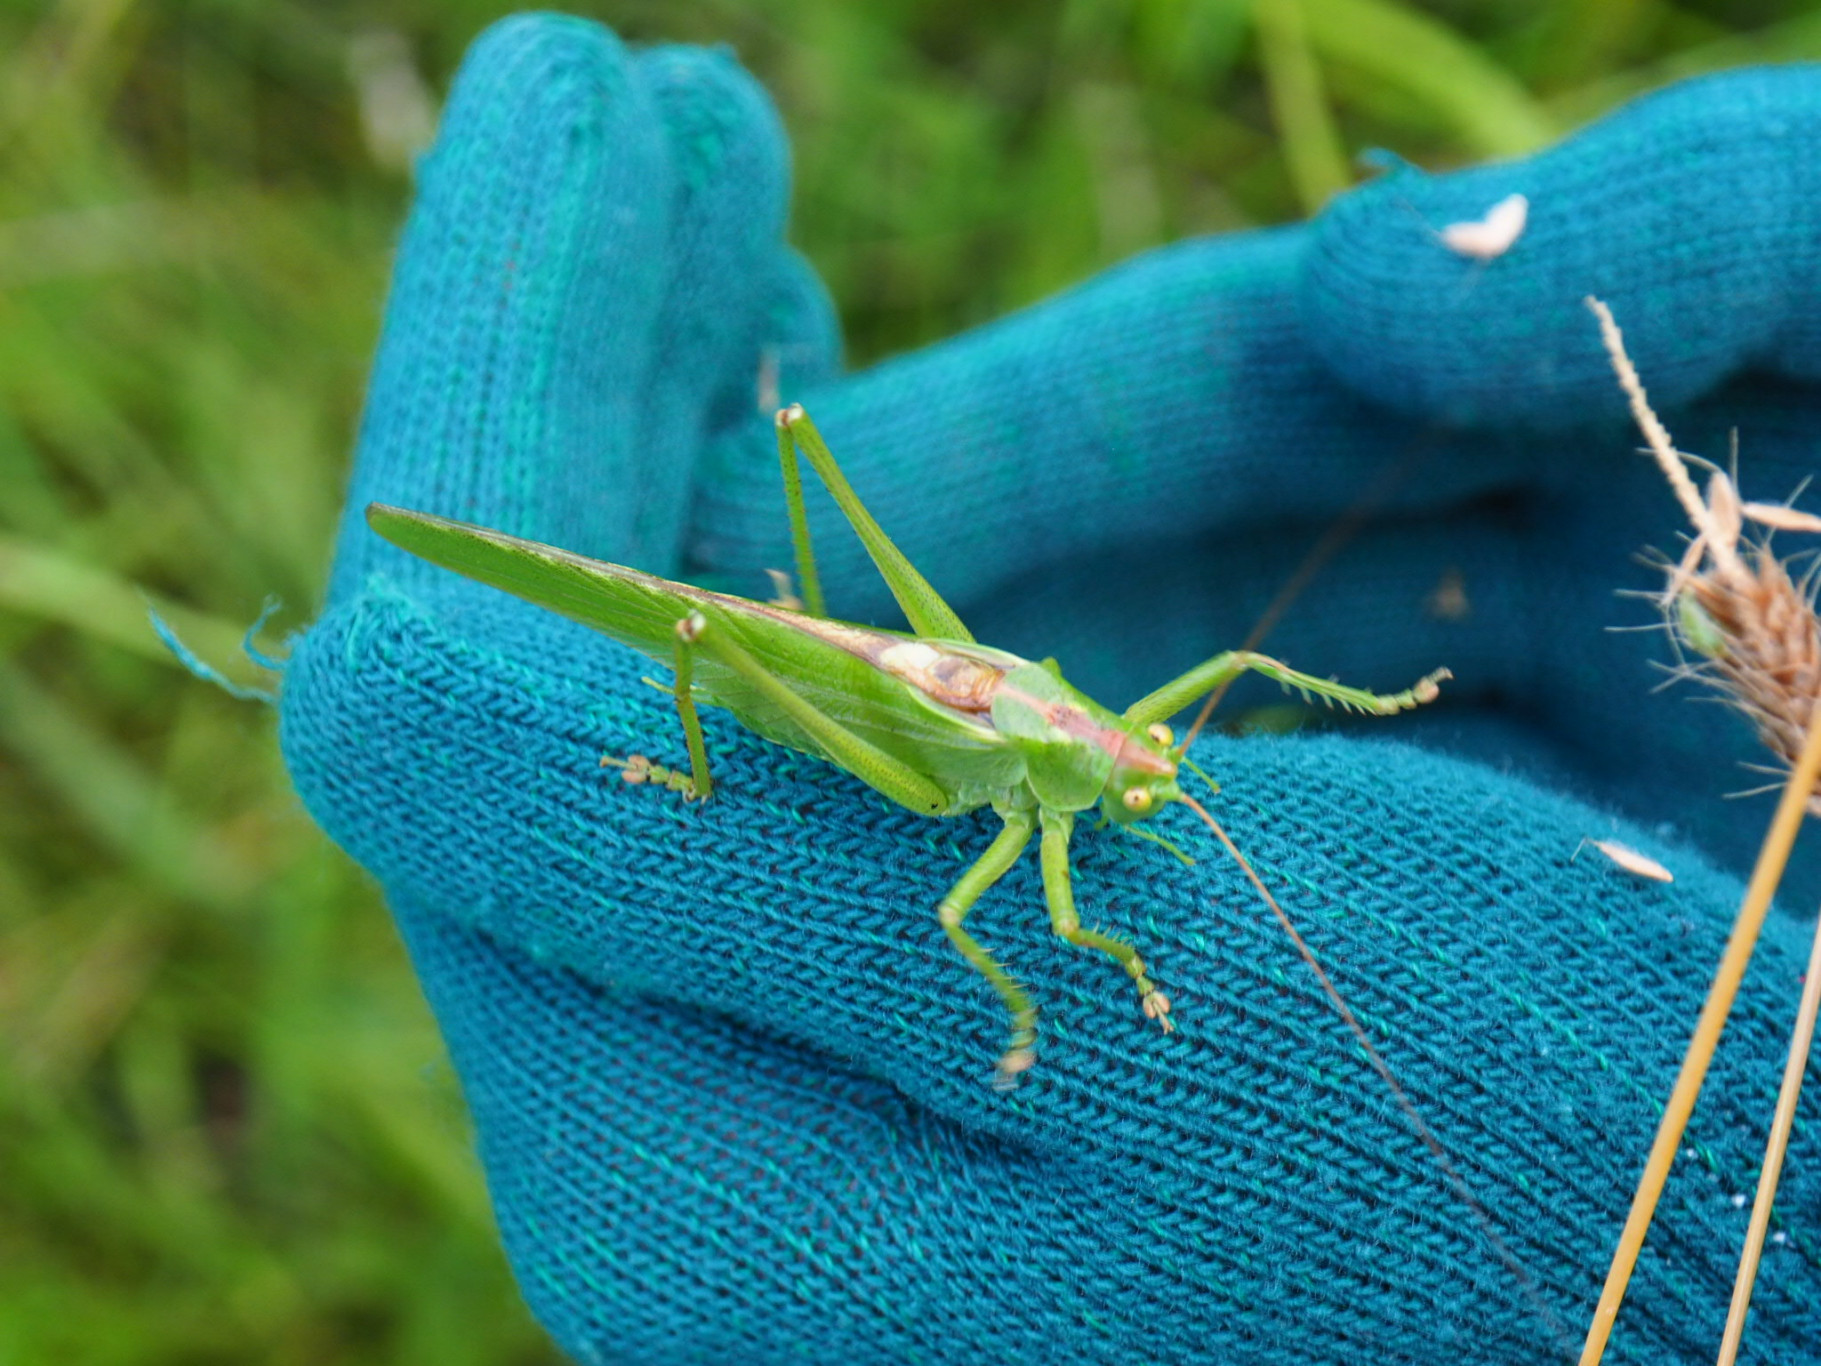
x: 1143, y: 780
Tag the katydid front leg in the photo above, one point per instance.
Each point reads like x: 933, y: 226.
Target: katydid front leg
x: 859, y: 757
x: 1173, y: 696
x: 1059, y: 891
x: 701, y: 785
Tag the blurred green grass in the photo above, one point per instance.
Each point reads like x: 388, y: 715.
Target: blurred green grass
x: 227, y: 1131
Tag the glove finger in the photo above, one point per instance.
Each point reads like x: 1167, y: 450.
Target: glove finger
x: 521, y: 316
x: 800, y: 329
x: 704, y: 360
x: 1179, y: 394
x: 1534, y: 1008
x: 1170, y: 398
x: 1690, y: 212
x: 668, y: 1185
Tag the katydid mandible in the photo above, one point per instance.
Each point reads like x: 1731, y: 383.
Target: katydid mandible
x: 933, y: 720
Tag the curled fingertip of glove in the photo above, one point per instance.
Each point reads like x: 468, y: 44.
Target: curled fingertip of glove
x: 800, y: 335
x: 732, y: 186
x: 539, y: 86
x: 1691, y: 212
x: 579, y: 295
x: 520, y: 272
x: 730, y: 193
x: 723, y: 128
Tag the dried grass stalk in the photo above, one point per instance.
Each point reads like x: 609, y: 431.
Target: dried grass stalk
x: 1754, y: 638
x: 1746, y: 628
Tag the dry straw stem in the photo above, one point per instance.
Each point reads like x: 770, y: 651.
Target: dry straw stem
x: 1774, y: 1152
x: 1759, y: 644
x: 1749, y: 630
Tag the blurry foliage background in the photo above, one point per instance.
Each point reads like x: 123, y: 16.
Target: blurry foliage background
x: 227, y: 1130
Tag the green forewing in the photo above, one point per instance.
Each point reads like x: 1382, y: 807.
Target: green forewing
x: 964, y: 756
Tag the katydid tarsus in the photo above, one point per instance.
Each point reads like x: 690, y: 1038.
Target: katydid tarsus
x: 930, y: 718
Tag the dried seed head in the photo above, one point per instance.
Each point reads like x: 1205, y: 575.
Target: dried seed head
x: 1731, y: 603
x: 1760, y: 645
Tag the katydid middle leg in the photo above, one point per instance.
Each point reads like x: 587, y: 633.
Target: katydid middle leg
x: 1059, y: 891
x: 1001, y: 854
x: 1173, y: 696
x: 858, y: 756
x: 902, y: 784
x: 698, y: 786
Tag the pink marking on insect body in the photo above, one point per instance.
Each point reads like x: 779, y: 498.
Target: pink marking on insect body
x: 1071, y: 721
x: 1494, y: 235
x: 1079, y: 725
x: 1134, y: 755
x: 954, y: 680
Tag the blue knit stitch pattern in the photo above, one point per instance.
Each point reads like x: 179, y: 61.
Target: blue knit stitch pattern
x: 731, y: 1083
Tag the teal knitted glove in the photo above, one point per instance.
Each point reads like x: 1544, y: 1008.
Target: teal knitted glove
x: 732, y: 1086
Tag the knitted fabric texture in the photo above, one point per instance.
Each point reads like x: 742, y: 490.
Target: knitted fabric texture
x: 730, y: 1082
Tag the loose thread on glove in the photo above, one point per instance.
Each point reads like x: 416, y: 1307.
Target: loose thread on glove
x: 207, y: 672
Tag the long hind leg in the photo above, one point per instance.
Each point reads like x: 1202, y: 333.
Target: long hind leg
x: 922, y: 605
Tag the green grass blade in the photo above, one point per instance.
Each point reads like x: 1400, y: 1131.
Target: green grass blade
x: 1311, y: 139
x: 1398, y: 45
x: 40, y: 582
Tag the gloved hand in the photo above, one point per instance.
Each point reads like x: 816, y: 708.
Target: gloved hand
x: 730, y: 1082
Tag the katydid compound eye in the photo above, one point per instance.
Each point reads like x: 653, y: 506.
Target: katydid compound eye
x: 1162, y: 734
x: 1136, y: 799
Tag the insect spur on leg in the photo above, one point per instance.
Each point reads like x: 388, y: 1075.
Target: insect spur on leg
x: 932, y: 719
